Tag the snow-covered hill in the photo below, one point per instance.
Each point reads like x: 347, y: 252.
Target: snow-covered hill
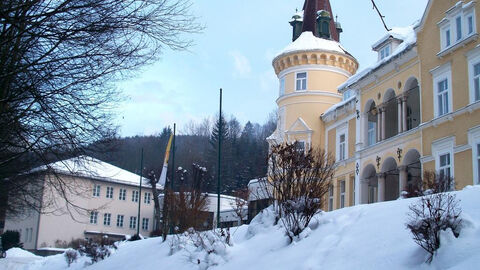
x: 361, y: 237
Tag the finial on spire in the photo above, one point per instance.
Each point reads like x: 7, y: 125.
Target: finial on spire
x: 310, y: 9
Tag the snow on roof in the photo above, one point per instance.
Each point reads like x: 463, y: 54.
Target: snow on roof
x: 400, y: 33
x: 338, y: 105
x: 85, y: 166
x: 409, y: 38
x: 308, y: 42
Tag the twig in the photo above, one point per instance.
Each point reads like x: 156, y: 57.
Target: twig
x: 381, y: 16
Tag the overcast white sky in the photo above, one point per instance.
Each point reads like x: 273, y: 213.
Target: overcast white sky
x: 235, y: 52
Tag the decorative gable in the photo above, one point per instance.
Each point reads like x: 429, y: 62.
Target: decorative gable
x: 298, y: 127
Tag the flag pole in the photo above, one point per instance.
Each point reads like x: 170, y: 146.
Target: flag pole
x: 219, y: 159
x: 140, y: 194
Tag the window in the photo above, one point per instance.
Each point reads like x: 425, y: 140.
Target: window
x: 134, y: 195
x: 106, y: 219
x: 473, y: 58
x: 342, y: 194
x: 133, y: 223
x: 476, y: 81
x: 122, y: 195
x: 478, y: 163
x: 145, y: 224
x: 385, y: 52
x: 442, y: 84
x: 330, y: 198
x: 447, y: 37
x: 282, y: 87
x: 301, y: 81
x: 372, y: 133
x: 300, y: 145
x: 110, y: 192
x: 442, y: 96
x: 347, y: 94
x: 30, y: 236
x: 470, y: 25
x: 96, y: 191
x: 146, y: 199
x: 119, y: 220
x: 93, y: 217
x: 458, y: 24
x: 445, y: 166
x: 342, y: 147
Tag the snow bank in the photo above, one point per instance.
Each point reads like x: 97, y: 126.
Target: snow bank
x: 19, y: 253
x: 362, y: 237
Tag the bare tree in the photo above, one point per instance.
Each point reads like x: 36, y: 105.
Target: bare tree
x: 58, y: 62
x: 240, y: 204
x: 431, y: 183
x: 299, y: 179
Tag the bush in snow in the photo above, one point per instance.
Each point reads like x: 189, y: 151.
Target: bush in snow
x: 11, y: 239
x: 431, y: 183
x: 97, y: 249
x: 299, y: 180
x: 205, y: 249
x: 71, y: 256
x: 431, y: 215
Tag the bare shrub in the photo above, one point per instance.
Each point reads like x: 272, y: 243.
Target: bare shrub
x: 430, y: 215
x: 240, y: 205
x: 299, y: 180
x: 97, y: 249
x: 71, y: 256
x: 431, y: 183
x: 186, y: 209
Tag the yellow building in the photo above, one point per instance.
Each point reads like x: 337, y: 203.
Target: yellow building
x: 416, y: 109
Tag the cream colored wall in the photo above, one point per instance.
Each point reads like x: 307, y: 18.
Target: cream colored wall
x: 428, y: 41
x: 352, y: 125
x: 27, y: 221
x: 60, y: 225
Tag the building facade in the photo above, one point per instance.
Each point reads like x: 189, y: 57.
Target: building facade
x: 415, y: 110
x: 111, y: 191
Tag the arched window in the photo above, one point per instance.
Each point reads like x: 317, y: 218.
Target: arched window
x: 412, y: 92
x: 371, y: 123
x: 391, y: 114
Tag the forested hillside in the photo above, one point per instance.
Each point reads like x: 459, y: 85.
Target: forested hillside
x: 244, y: 152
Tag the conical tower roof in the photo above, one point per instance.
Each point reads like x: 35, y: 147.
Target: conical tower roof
x: 310, y: 10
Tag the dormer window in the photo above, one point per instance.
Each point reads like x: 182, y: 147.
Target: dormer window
x: 385, y: 51
x: 458, y: 26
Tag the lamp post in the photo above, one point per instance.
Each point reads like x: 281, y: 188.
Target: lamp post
x: 219, y: 158
x: 140, y: 194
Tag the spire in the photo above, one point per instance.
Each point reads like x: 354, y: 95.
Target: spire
x: 310, y: 9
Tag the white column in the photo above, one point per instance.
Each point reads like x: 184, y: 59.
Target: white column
x: 404, y: 112
x: 381, y: 187
x: 400, y: 118
x: 379, y: 124
x: 383, y: 123
x: 402, y: 179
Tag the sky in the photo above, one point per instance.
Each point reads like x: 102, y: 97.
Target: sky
x: 235, y: 52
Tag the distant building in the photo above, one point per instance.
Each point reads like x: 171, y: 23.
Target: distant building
x: 114, y: 192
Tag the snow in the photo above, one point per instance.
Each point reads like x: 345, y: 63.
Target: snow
x: 19, y: 253
x: 362, y: 237
x: 93, y: 168
x: 409, y: 37
x: 338, y: 105
x: 308, y: 42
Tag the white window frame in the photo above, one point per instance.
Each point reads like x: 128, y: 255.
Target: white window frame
x: 371, y: 133
x: 457, y: 21
x: 474, y: 141
x: 446, y: 37
x: 281, y: 90
x: 458, y: 28
x: 442, y: 147
x: 135, y: 195
x: 120, y: 220
x: 331, y: 193
x: 133, y: 222
x: 107, y: 219
x: 440, y: 74
x: 109, y: 193
x: 147, y: 198
x: 96, y: 190
x: 473, y: 58
x: 122, y: 194
x: 145, y: 223
x: 385, y: 51
x: 302, y: 79
x: 342, y: 193
x: 93, y: 217
x: 342, y: 130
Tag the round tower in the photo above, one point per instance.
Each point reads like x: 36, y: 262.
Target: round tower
x: 309, y: 71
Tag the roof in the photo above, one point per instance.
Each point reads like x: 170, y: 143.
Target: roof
x: 338, y: 105
x: 409, y: 37
x: 311, y: 9
x: 85, y: 166
x: 308, y: 42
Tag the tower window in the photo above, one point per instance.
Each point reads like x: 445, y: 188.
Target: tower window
x: 301, y: 81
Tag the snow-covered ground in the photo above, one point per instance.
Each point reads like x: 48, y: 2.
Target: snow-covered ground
x: 362, y: 237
